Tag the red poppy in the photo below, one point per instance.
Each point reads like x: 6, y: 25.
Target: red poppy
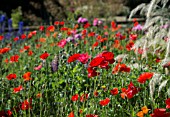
x: 4, y: 50
x: 51, y: 28
x: 16, y: 38
x: 23, y: 36
x: 62, y: 23
x: 30, y: 53
x: 108, y: 55
x: 26, y: 104
x: 96, y: 61
x: 133, y: 37
x: 114, y: 91
x: 41, y: 28
x: 64, y: 29
x: 84, y: 32
x: 75, y: 97
x: 26, y: 47
x: 18, y: 89
x: 91, y: 34
x: 56, y: 23
x: 71, y: 114
x: 104, y: 102
x: 167, y: 103
x: 145, y: 76
x: 29, y: 35
x: 131, y: 91
x: 158, y: 60
x: 92, y: 72
x: 160, y: 112
x: 1, y: 37
x: 86, y: 25
x: 130, y: 45
x: 83, y: 97
x: 120, y: 68
x: 91, y: 115
x: 27, y: 76
x: 44, y: 55
x: 73, y: 58
x: 9, y: 113
x: 14, y: 58
x: 11, y: 76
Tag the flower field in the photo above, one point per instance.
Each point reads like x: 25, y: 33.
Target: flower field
x: 83, y: 69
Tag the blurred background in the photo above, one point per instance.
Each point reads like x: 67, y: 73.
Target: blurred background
x: 37, y: 12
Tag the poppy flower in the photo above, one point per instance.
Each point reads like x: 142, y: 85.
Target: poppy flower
x: 62, y: 23
x: 30, y: 53
x: 130, y: 45
x: 114, y: 91
x: 62, y: 43
x: 71, y: 114
x: 4, y: 50
x: 104, y: 102
x: 16, y: 38
x: 83, y: 58
x: 26, y: 104
x: 145, y: 76
x: 73, y: 58
x: 104, y: 64
x: 131, y: 91
x: 87, y: 25
x: 120, y: 68
x: 91, y: 115
x: 42, y: 40
x: 75, y: 97
x: 167, y: 103
x: 41, y: 28
x: 160, y: 112
x: 18, y: 89
x: 92, y: 72
x: 14, y: 58
x: 44, y: 56
x: 51, y: 28
x: 26, y: 47
x: 29, y: 35
x: 133, y: 37
x: 1, y: 37
x: 83, y: 97
x: 23, y: 36
x: 123, y: 94
x: 158, y: 60
x: 27, y: 76
x: 9, y: 113
x: 108, y: 56
x: 96, y: 61
x: 11, y: 76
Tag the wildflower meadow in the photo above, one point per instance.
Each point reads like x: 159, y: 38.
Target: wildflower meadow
x: 86, y: 68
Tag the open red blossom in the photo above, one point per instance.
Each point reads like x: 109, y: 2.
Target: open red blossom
x: 26, y: 47
x: 91, y: 115
x: 92, y: 72
x: 83, y: 97
x: 114, y: 91
x: 160, y: 112
x: 26, y: 104
x: 62, y: 23
x: 41, y: 28
x: 14, y: 58
x: 16, y: 38
x: 11, y: 76
x: 4, y: 50
x: 51, y: 28
x: 131, y: 91
x: 108, y: 56
x: 167, y: 103
x: 73, y: 58
x: 23, y: 36
x: 130, y: 45
x: 120, y: 68
x: 71, y: 114
x: 18, y: 89
x: 145, y: 76
x: 44, y: 56
x: 96, y: 61
x: 75, y: 97
x: 133, y: 37
x: 1, y: 37
x: 27, y: 76
x: 9, y: 113
x: 104, y: 102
